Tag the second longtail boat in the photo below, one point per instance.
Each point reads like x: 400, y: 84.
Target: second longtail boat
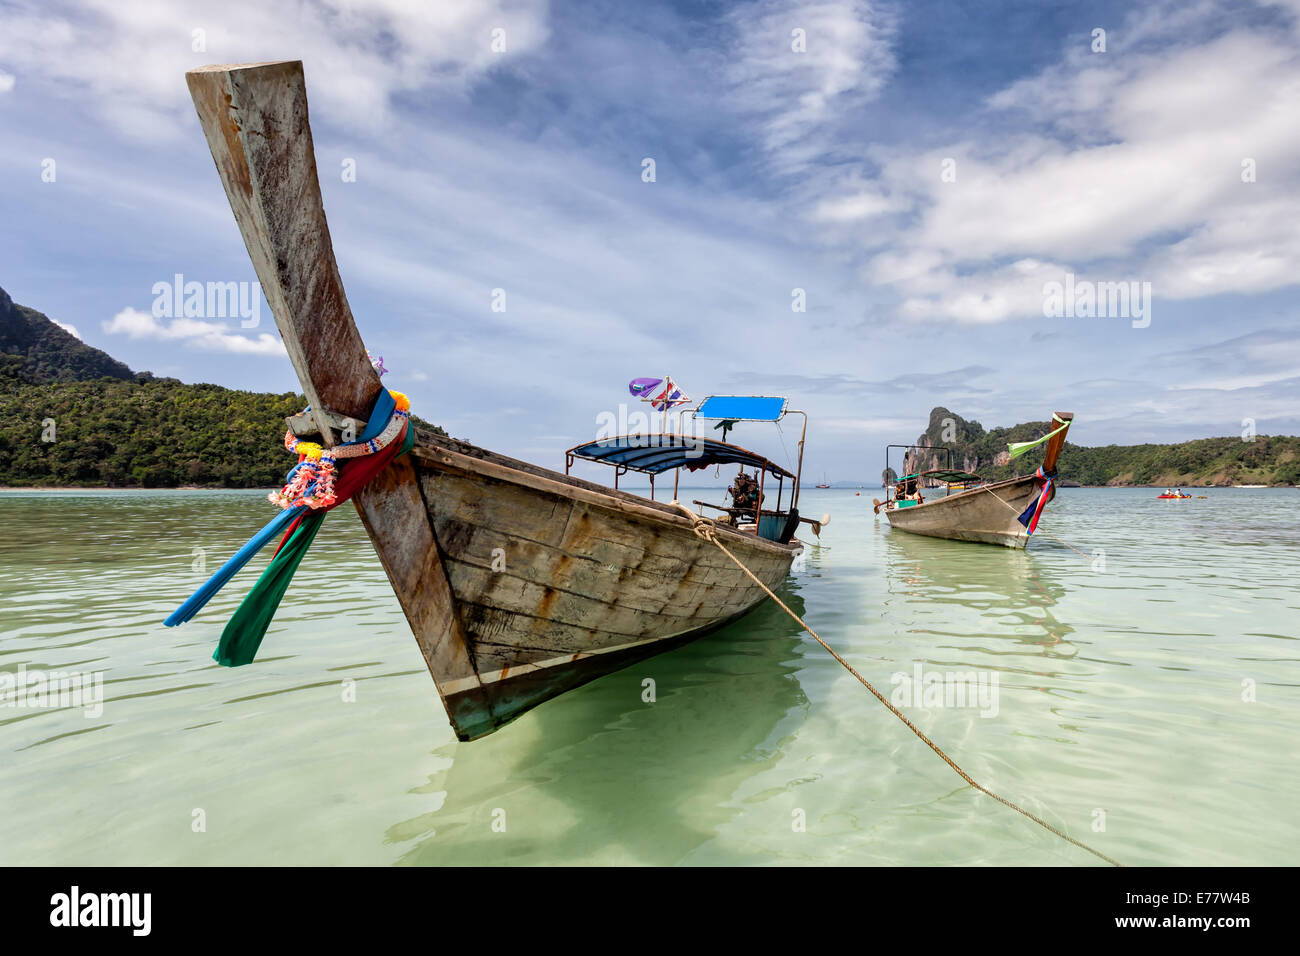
x: 999, y: 512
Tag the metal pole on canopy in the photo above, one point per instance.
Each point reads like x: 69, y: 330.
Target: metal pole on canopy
x: 798, y: 478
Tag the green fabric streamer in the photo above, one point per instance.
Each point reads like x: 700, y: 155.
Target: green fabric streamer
x: 1020, y: 447
x: 244, y: 632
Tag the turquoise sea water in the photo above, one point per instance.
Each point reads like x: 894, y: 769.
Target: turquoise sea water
x: 1151, y: 687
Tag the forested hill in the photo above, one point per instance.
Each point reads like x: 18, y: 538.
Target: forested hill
x: 72, y: 415
x: 1268, y: 460
x: 33, y: 349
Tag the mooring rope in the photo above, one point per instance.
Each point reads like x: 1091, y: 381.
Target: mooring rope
x: 1086, y: 557
x: 703, y: 528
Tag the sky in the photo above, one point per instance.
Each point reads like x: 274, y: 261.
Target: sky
x: 922, y: 177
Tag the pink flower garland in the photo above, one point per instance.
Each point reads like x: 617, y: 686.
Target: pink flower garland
x: 311, y: 482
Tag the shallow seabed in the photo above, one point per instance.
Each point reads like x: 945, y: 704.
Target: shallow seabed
x: 1151, y: 688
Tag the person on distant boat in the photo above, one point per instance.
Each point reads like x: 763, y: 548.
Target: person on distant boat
x: 909, y: 489
x: 744, y: 492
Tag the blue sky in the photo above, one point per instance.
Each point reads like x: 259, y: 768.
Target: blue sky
x: 775, y: 170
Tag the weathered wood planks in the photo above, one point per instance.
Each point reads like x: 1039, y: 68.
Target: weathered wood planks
x: 592, y: 579
x: 558, y: 581
x: 986, y: 514
x: 255, y: 120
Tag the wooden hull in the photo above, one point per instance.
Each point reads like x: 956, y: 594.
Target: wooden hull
x: 554, y: 581
x: 987, y: 514
x: 519, y: 583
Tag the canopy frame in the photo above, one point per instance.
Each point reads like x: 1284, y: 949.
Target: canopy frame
x: 891, y: 486
x: 696, y: 412
x: 640, y: 451
x: 644, y: 453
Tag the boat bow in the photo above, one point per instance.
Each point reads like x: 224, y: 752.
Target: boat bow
x: 518, y: 582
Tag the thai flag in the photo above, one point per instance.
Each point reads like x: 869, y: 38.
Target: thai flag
x: 668, y: 396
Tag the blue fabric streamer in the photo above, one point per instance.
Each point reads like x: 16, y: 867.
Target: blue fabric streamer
x: 380, y: 416
x: 203, y: 595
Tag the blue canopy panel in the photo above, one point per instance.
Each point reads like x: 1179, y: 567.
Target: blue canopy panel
x: 654, y: 454
x: 742, y: 408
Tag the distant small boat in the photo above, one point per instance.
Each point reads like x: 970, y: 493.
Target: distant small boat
x: 824, y: 483
x: 1001, y: 512
x: 1173, y: 496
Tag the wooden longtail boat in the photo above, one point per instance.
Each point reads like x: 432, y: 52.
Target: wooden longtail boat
x: 518, y: 582
x: 987, y: 512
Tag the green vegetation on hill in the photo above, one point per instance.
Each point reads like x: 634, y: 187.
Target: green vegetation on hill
x: 112, y: 428
x: 73, y: 415
x: 1268, y: 460
x: 145, y: 433
x: 35, y: 349
x: 157, y: 433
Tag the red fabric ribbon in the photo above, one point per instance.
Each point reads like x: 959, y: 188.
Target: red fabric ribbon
x: 354, y: 476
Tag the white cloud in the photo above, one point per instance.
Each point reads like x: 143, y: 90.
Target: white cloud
x: 994, y: 295
x: 70, y: 329
x: 130, y: 55
x: 865, y: 204
x: 198, y: 334
x: 796, y: 96
x: 1256, y: 249
x: 1134, y: 172
x: 6, y: 81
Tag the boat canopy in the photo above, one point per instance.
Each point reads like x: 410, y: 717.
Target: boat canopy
x: 944, y: 475
x: 654, y: 454
x: 742, y: 408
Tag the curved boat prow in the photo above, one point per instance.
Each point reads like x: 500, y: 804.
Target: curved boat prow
x: 255, y: 119
x: 1003, y: 512
x: 501, y: 567
x: 1057, y: 441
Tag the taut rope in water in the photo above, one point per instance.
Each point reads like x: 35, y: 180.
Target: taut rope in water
x: 1086, y: 557
x: 703, y: 528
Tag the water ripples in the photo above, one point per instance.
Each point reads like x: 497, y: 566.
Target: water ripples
x: 1123, y: 686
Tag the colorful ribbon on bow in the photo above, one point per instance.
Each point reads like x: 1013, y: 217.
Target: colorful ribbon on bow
x: 1029, y: 517
x: 1018, y: 448
x: 311, y: 490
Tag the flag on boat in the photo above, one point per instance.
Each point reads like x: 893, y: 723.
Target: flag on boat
x: 639, y: 386
x: 666, y: 396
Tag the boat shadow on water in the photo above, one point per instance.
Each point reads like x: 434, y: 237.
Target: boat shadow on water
x: 1011, y: 592
x: 607, y: 774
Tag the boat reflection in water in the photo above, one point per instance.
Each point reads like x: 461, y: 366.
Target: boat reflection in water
x: 603, y: 775
x: 1004, y: 593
